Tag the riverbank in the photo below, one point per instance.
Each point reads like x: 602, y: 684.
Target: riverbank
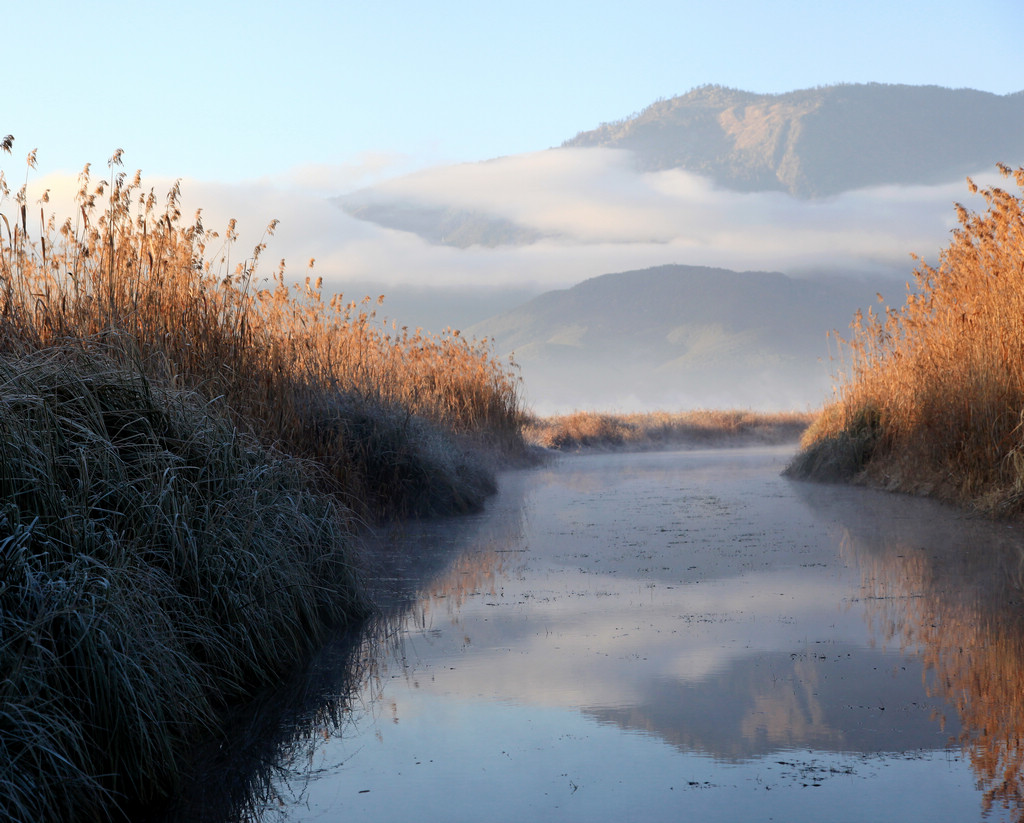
x: 157, y: 566
x: 931, y: 400
x: 160, y: 566
x: 189, y: 450
x: 585, y: 431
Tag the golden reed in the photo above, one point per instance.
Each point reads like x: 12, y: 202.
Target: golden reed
x: 932, y: 393
x: 127, y: 271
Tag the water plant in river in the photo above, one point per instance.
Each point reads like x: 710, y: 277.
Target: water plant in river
x: 931, y: 394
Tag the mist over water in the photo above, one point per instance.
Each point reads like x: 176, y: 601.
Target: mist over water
x: 678, y: 635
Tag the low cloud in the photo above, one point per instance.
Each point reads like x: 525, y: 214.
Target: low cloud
x: 597, y: 212
x: 597, y: 215
x: 590, y: 200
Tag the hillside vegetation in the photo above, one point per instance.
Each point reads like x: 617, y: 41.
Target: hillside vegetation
x: 187, y: 453
x: 932, y: 396
x: 821, y: 141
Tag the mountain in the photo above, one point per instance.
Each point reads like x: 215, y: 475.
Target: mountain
x: 682, y: 337
x: 848, y: 177
x: 823, y: 141
x: 810, y: 144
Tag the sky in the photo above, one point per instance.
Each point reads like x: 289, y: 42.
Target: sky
x: 265, y: 110
x: 346, y: 93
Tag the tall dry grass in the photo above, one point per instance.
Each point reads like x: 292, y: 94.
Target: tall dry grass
x: 286, y: 362
x: 662, y: 429
x: 931, y: 395
x: 182, y: 447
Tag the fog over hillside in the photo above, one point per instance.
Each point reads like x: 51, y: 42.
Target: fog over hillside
x: 823, y: 141
x: 593, y: 203
x: 552, y: 218
x: 816, y: 184
x: 630, y: 181
x: 682, y: 337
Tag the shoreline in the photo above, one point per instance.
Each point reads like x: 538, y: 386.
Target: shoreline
x: 650, y: 431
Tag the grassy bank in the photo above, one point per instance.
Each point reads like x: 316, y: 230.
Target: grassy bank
x: 186, y: 449
x: 662, y: 430
x: 931, y: 398
x: 156, y: 566
x: 317, y: 378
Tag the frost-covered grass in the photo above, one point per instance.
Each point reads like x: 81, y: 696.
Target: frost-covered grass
x: 185, y: 451
x: 155, y: 565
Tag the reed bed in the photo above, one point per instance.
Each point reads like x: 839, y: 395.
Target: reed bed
x: 287, y: 364
x: 663, y: 429
x: 186, y: 450
x: 930, y: 395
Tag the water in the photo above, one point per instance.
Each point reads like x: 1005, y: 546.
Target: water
x: 668, y: 636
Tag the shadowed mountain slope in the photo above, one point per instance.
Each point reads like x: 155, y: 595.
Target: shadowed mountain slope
x: 681, y: 336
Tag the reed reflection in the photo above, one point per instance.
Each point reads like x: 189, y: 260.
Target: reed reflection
x: 267, y: 754
x: 275, y: 747
x: 951, y: 587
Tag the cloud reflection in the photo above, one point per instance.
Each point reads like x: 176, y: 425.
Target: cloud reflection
x: 671, y: 598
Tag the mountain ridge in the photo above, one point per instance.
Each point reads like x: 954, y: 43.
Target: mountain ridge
x: 822, y: 141
x: 811, y: 144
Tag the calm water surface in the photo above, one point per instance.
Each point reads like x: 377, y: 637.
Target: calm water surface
x: 673, y: 636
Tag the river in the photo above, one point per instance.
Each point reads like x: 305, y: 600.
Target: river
x: 661, y: 636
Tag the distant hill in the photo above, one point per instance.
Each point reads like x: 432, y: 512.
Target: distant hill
x: 811, y: 144
x: 682, y: 336
x: 819, y: 142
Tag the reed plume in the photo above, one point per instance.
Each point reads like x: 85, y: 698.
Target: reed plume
x: 930, y: 395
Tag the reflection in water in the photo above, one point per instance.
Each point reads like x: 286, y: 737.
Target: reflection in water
x: 838, y: 699
x: 655, y: 636
x: 270, y: 753
x: 267, y: 749
x: 956, y: 595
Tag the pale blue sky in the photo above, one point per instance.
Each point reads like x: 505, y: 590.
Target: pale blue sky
x: 239, y: 91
